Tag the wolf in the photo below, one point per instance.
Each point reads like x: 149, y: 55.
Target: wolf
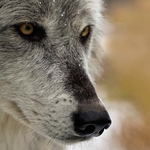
x: 50, y: 55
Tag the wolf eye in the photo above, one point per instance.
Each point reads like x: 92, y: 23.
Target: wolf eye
x: 85, y: 33
x: 30, y: 31
x: 26, y: 29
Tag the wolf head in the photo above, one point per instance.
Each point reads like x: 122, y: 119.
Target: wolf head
x: 48, y: 58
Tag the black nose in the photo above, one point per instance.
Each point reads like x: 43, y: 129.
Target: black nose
x: 91, y: 123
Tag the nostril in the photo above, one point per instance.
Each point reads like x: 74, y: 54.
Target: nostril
x: 85, y: 130
x: 107, y: 126
x: 89, y: 129
x: 91, y: 123
x: 102, y: 130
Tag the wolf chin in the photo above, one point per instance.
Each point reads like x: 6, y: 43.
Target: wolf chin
x: 50, y: 54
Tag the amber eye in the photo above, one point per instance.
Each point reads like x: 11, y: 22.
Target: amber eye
x: 30, y: 31
x: 85, y: 33
x: 26, y: 29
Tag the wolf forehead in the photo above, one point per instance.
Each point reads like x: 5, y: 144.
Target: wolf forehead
x: 65, y: 12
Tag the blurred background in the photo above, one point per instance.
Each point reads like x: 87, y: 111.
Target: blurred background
x: 126, y: 77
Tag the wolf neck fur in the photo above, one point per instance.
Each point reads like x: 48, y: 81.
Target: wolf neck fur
x: 15, y: 136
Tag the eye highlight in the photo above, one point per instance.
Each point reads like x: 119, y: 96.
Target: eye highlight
x: 26, y: 28
x: 85, y: 33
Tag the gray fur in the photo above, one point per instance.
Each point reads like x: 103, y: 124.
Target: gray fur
x: 34, y: 76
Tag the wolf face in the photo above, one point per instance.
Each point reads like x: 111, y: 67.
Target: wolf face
x: 48, y: 50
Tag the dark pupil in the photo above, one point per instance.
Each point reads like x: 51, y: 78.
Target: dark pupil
x: 28, y: 27
x: 84, y: 30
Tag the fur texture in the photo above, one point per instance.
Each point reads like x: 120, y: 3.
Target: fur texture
x: 43, y: 82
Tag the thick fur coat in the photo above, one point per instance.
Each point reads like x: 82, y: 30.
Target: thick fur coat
x: 48, y: 76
